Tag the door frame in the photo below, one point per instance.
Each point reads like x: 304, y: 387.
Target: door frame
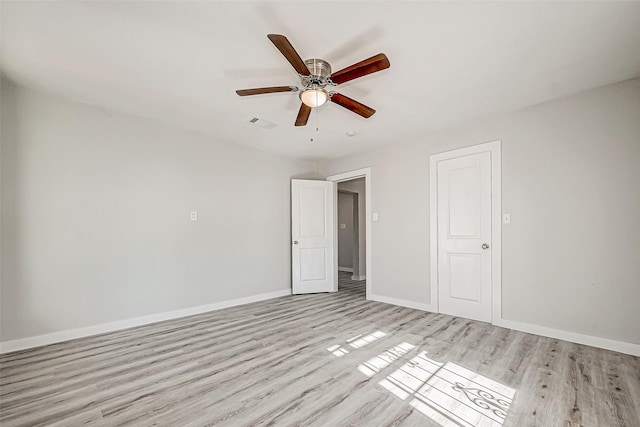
x: 348, y: 176
x: 494, y: 149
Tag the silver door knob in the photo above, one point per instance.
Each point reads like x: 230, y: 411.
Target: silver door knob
x: 485, y: 246
x: 295, y: 242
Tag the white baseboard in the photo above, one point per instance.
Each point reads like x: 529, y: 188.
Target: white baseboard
x: 590, y: 340
x: 347, y: 269
x: 56, y: 337
x: 402, y: 302
x: 604, y: 343
x: 363, y: 277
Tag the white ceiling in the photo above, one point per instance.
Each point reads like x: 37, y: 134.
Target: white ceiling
x: 451, y: 62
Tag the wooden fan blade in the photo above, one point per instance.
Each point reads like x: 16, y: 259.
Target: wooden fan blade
x: 362, y: 68
x: 355, y: 106
x: 303, y: 115
x: 261, y: 90
x: 289, y: 52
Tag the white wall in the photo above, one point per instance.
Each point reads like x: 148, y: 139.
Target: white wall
x: 95, y: 217
x: 570, y: 179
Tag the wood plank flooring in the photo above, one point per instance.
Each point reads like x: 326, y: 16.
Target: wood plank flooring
x: 319, y: 360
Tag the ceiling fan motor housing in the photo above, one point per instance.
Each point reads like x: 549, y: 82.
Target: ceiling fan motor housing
x: 318, y: 67
x: 320, y: 71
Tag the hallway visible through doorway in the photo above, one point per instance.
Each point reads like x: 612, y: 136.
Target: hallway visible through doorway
x: 358, y: 183
x: 351, y: 236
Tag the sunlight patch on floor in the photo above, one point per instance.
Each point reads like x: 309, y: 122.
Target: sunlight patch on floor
x: 363, y: 339
x: 411, y: 376
x: 447, y: 393
x: 384, y: 359
x: 356, y: 342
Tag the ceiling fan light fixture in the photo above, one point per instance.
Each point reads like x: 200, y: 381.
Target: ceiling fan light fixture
x: 314, y: 97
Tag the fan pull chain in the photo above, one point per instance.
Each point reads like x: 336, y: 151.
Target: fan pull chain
x: 317, y: 129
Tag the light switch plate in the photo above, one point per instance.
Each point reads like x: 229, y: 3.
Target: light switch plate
x: 375, y: 216
x: 194, y: 215
x: 506, y: 218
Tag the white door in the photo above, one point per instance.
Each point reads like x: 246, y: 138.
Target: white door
x: 464, y: 236
x: 313, y: 234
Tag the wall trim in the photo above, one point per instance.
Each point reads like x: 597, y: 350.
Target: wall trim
x: 403, y: 303
x: 60, y: 336
x: 590, y: 340
x: 347, y: 269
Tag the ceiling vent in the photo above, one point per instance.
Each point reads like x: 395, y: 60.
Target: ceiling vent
x: 263, y: 123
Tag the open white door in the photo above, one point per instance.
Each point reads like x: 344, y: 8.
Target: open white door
x: 464, y: 236
x: 313, y: 236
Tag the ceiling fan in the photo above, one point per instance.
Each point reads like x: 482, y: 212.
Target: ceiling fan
x: 315, y: 76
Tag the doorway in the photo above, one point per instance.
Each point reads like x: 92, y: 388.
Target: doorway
x: 465, y: 211
x: 351, y: 229
x: 353, y: 189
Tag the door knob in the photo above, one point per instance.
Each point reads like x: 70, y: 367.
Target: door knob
x: 485, y: 246
x: 295, y: 242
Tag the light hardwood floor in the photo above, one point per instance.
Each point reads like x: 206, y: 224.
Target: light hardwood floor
x: 319, y: 360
